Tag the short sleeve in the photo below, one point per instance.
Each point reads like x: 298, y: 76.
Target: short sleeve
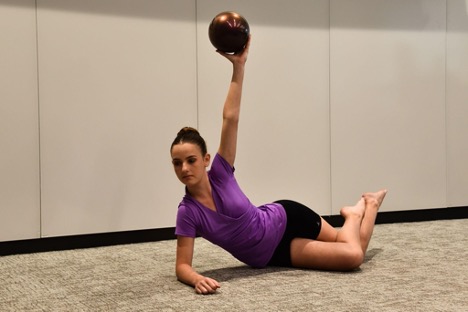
x: 221, y: 169
x: 184, y: 222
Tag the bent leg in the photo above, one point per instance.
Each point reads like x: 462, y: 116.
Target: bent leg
x: 341, y: 249
x: 310, y: 254
x: 373, y: 202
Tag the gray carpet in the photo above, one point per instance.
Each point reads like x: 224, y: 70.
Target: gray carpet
x: 409, y: 267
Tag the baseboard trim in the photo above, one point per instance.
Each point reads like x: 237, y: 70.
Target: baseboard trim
x: 85, y: 241
x: 152, y: 235
x: 411, y: 216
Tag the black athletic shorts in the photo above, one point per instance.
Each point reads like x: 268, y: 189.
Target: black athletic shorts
x: 301, y: 222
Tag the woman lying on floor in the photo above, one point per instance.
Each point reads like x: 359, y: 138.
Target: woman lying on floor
x: 282, y: 233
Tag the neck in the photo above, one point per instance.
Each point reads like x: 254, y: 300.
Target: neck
x: 201, y: 189
x: 202, y: 193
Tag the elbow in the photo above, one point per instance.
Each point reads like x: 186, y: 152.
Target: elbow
x: 231, y: 115
x: 232, y: 119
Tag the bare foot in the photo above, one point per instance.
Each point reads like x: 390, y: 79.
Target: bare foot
x: 357, y: 210
x: 375, y: 199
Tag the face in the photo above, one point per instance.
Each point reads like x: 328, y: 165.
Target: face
x: 189, y: 164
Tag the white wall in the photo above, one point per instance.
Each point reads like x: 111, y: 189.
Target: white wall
x: 341, y: 97
x: 388, y: 101
x: 457, y: 103
x: 19, y: 136
x: 284, y: 146
x: 117, y: 81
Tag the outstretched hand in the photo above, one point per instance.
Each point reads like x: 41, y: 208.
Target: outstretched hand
x: 238, y: 57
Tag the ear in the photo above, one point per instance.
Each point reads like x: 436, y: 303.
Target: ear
x: 207, y: 159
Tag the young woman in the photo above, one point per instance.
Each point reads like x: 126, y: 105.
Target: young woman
x: 283, y: 233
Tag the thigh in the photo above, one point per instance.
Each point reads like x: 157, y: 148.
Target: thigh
x: 301, y: 220
x: 313, y: 254
x: 327, y: 232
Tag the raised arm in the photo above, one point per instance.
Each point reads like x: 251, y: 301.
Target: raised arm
x: 231, y: 111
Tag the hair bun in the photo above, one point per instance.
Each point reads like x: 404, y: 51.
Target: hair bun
x: 190, y: 135
x: 186, y: 130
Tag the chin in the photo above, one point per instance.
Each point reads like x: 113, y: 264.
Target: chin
x: 187, y: 182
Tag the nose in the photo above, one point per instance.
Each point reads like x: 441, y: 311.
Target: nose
x: 184, y: 167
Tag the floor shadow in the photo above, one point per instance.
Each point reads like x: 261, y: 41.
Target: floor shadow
x: 242, y: 271
x: 372, y: 253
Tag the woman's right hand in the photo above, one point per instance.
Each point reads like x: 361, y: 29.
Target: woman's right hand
x: 184, y: 271
x: 206, y: 286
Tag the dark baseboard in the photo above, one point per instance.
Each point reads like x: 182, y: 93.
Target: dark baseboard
x: 85, y: 241
x: 152, y: 235
x: 411, y: 216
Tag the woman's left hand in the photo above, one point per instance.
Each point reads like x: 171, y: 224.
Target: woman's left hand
x: 239, y: 57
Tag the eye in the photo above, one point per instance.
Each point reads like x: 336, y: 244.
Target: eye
x: 176, y: 163
x: 192, y: 160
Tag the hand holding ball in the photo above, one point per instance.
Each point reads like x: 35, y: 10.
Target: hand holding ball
x: 229, y: 32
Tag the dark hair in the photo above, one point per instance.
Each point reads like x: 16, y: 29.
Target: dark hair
x: 190, y: 135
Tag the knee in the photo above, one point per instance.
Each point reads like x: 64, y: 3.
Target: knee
x: 353, y: 260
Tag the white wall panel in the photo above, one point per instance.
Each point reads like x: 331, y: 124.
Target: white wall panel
x: 283, y: 149
x: 117, y: 81
x: 19, y: 131
x: 341, y: 97
x: 388, y: 101
x: 457, y: 102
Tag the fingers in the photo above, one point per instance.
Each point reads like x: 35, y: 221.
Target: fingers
x: 207, y: 286
x: 245, y: 51
x: 240, y: 56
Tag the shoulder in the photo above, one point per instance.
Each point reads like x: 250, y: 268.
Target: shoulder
x: 186, y: 206
x: 220, y: 166
x: 185, y: 211
x: 185, y: 221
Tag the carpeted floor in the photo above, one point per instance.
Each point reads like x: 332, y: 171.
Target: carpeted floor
x: 409, y: 267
